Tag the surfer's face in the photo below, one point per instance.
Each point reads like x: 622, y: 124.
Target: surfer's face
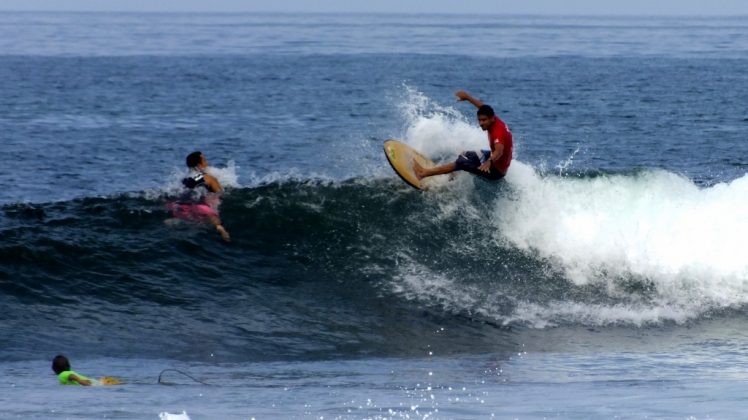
x: 484, y: 122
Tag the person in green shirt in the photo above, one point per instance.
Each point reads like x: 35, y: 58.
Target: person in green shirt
x: 61, y: 367
x: 67, y: 376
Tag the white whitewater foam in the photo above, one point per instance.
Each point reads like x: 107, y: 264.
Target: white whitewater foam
x: 226, y: 176
x: 689, y: 242
x: 168, y: 416
x: 438, y: 131
x: 655, y: 225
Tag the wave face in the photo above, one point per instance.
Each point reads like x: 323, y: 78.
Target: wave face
x: 325, y: 269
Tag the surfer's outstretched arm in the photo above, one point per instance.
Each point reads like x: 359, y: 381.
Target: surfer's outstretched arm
x: 464, y: 96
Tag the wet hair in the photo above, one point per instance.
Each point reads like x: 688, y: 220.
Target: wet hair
x: 193, y: 159
x: 60, y: 364
x: 486, y: 110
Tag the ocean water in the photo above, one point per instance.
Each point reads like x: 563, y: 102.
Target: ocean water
x: 605, y: 277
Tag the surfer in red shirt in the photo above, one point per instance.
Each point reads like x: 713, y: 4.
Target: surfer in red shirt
x: 491, y: 164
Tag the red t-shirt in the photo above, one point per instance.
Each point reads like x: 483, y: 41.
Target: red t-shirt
x: 499, y: 133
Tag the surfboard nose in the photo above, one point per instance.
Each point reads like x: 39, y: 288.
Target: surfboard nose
x: 401, y: 158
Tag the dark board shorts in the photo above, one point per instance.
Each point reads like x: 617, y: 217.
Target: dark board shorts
x: 470, y: 161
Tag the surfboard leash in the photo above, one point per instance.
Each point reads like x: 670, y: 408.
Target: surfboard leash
x: 180, y: 372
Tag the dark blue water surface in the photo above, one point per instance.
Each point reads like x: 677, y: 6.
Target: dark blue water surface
x: 614, y: 251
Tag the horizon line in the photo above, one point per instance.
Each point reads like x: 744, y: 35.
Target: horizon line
x: 381, y: 13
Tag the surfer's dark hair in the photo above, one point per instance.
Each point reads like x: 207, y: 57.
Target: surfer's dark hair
x: 486, y: 110
x: 60, y: 364
x: 193, y: 159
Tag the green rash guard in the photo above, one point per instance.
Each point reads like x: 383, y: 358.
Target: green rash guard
x: 65, y: 377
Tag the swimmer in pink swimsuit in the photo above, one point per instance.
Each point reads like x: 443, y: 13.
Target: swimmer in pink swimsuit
x: 200, y: 203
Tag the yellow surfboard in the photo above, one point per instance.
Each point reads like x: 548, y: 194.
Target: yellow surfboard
x: 401, y: 157
x: 109, y: 380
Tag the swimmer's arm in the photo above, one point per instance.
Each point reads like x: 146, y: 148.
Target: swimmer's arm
x: 464, y: 96
x: 75, y: 378
x: 213, y: 183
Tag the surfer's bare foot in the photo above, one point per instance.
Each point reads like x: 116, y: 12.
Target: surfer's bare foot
x: 418, y: 169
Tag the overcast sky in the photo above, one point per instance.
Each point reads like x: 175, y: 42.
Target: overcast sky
x: 563, y: 7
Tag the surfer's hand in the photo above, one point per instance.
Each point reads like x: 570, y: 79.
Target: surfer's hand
x: 485, y: 166
x: 462, y: 95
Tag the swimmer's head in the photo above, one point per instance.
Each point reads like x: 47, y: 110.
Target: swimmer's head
x: 60, y: 364
x: 195, y: 159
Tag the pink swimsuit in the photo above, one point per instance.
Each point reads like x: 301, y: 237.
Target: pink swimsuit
x: 199, y: 211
